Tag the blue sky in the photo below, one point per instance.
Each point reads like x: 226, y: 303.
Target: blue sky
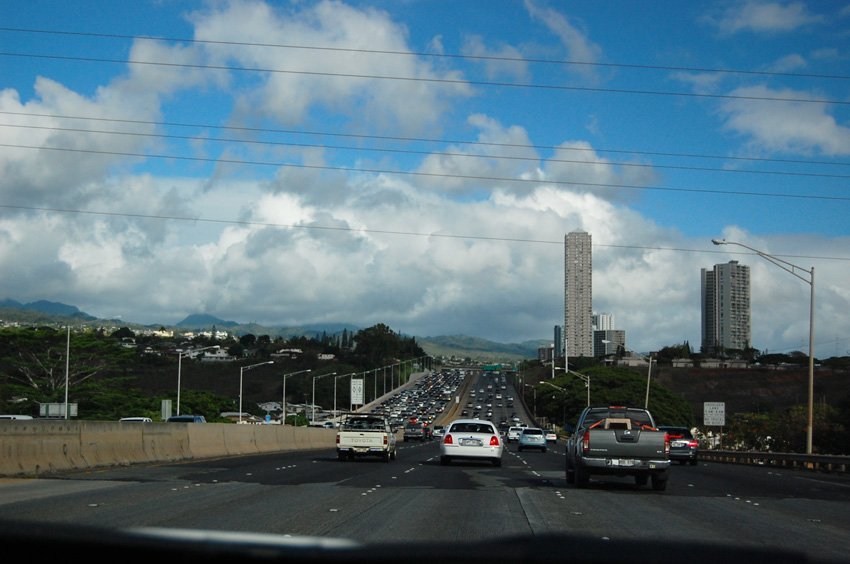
x: 418, y: 163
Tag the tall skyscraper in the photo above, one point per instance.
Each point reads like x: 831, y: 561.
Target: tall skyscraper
x: 603, y: 321
x: 559, y: 341
x: 578, y: 295
x: 725, y: 297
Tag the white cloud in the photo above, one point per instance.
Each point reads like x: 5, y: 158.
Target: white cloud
x: 494, y: 59
x: 295, y: 81
x: 764, y: 17
x: 579, y: 46
x: 785, y: 126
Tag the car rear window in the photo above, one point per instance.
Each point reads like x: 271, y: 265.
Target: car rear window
x: 532, y: 432
x: 678, y: 432
x: 472, y: 428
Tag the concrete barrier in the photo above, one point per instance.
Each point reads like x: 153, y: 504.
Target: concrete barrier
x: 37, y: 447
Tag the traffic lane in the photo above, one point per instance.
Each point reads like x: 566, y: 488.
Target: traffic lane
x: 715, y: 503
x: 414, y: 498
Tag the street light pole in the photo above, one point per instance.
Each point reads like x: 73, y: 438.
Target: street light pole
x: 335, y: 379
x: 534, y: 411
x: 313, y: 401
x: 242, y: 369
x: 180, y: 355
x: 553, y: 361
x: 648, y: 374
x: 796, y: 271
x: 283, y: 399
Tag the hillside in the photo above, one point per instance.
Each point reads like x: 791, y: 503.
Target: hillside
x: 754, y: 389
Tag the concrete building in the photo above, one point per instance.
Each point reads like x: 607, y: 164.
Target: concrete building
x: 725, y: 297
x: 578, y: 295
x: 608, y: 342
x: 603, y: 321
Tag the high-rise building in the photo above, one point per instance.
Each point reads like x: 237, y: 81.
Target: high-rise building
x: 725, y: 297
x: 578, y: 295
x: 603, y: 321
x: 609, y: 341
x: 559, y: 342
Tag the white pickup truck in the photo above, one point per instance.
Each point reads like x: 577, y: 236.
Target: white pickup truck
x: 365, y: 435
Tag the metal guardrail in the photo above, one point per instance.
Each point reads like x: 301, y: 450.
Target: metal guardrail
x: 817, y: 462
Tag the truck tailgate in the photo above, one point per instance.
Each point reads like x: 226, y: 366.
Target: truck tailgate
x: 625, y: 443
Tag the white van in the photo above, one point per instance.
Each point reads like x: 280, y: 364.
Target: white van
x: 15, y: 416
x: 136, y: 420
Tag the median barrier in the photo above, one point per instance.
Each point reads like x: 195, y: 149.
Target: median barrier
x: 37, y: 447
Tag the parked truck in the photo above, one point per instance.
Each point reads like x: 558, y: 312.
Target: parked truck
x: 618, y: 441
x: 362, y: 434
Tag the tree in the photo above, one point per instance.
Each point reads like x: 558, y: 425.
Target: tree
x: 36, y: 359
x: 609, y: 386
x: 375, y: 345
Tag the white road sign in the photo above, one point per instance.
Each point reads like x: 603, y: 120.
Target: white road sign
x: 357, y: 392
x: 714, y: 413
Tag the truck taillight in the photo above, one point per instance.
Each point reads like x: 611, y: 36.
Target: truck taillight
x: 693, y: 443
x: 337, y: 438
x: 666, y: 444
x: 585, y: 443
x: 386, y: 440
x: 494, y: 441
x: 447, y: 440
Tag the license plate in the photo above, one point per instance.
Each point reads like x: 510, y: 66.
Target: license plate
x: 679, y: 444
x: 622, y: 462
x: 470, y: 442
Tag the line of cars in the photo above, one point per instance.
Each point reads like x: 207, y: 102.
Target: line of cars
x: 480, y: 439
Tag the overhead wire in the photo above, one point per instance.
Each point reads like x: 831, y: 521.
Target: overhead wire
x: 448, y: 141
x: 499, y: 58
x: 253, y: 223
x: 479, y: 83
x: 449, y: 81
x: 421, y: 174
x: 423, y: 152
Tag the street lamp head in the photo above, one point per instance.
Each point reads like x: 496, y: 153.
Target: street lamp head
x: 719, y: 241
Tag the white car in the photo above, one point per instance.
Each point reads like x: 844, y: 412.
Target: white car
x: 471, y: 439
x: 513, y: 433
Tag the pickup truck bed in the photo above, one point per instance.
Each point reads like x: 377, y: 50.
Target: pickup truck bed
x: 618, y: 441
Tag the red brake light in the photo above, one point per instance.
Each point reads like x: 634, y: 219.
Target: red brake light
x: 337, y: 438
x: 585, y: 443
x: 494, y: 441
x: 693, y: 443
x: 447, y: 440
x: 666, y: 444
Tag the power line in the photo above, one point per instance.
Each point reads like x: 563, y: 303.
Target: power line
x: 432, y: 174
x: 391, y: 232
x: 447, y: 81
x: 434, y: 55
x: 431, y: 140
x: 423, y: 152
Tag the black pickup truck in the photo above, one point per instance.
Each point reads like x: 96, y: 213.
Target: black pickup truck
x: 619, y: 441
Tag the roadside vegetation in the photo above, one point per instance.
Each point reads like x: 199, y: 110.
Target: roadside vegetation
x: 110, y: 376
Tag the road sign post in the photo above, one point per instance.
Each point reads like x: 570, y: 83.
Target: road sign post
x: 714, y: 415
